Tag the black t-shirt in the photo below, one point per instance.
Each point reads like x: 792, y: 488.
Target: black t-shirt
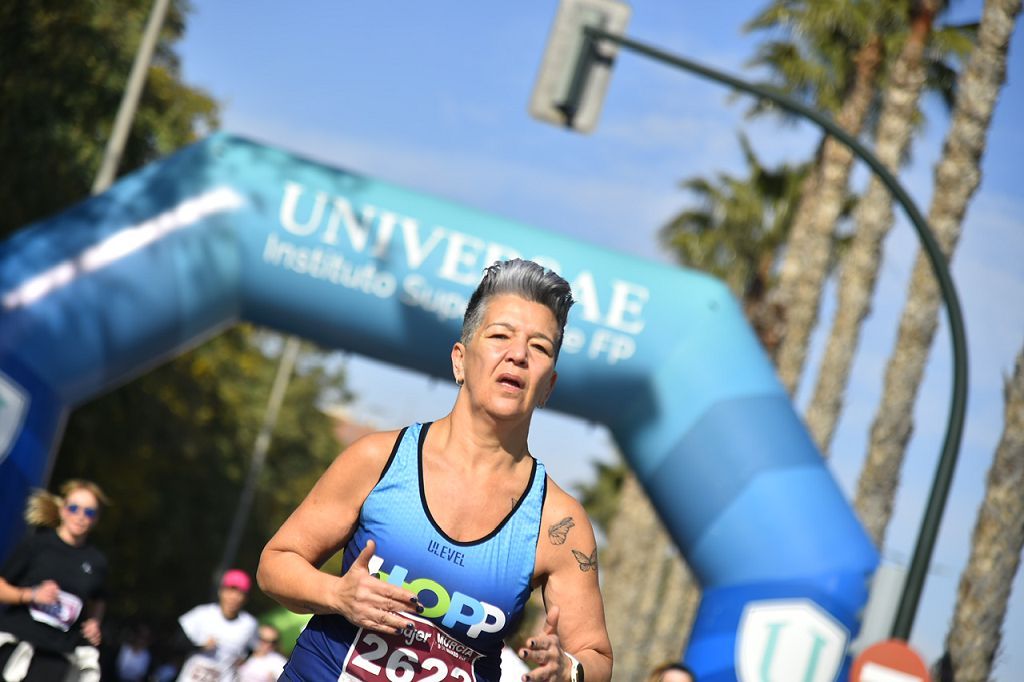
x: 80, y: 572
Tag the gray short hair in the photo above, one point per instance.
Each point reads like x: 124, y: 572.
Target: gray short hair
x: 522, y: 278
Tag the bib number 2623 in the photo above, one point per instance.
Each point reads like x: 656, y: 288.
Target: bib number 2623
x: 420, y: 654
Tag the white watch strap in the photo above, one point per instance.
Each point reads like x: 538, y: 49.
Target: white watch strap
x: 574, y: 665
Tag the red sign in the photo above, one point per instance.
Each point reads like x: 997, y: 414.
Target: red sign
x: 889, y: 661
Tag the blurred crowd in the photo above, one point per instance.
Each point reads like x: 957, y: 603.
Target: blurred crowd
x: 53, y: 602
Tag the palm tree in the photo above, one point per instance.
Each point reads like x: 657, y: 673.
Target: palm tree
x: 665, y: 591
x: 815, y: 63
x: 874, y: 217
x: 957, y: 176
x: 736, y: 231
x: 680, y: 597
x: 996, y: 544
x: 651, y: 610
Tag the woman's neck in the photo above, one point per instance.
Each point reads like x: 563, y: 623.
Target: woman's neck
x: 64, y: 534
x: 479, y: 434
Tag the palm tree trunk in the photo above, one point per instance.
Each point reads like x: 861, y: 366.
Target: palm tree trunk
x: 956, y: 178
x: 805, y: 267
x: 985, y: 584
x: 873, y: 220
x: 650, y: 585
x: 632, y: 542
x: 680, y: 599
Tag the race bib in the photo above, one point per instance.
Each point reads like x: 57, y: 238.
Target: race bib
x: 202, y: 668
x: 421, y: 653
x: 61, y: 614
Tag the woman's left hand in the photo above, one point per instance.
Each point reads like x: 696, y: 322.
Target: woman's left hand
x: 545, y: 651
x: 91, y: 631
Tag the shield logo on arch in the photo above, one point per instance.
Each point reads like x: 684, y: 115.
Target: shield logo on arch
x: 13, y: 406
x: 791, y: 640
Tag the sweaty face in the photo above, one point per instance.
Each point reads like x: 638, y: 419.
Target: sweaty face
x: 509, y: 364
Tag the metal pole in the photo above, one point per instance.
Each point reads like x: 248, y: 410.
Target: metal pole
x: 130, y: 98
x: 259, y: 454
x: 947, y: 461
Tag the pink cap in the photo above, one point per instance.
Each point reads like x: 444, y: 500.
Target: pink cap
x: 237, y: 579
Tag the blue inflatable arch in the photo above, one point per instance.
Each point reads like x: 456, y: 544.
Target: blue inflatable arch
x: 230, y: 230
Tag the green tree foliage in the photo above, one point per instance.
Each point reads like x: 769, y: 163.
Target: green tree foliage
x: 810, y: 47
x: 63, y: 69
x: 172, y: 450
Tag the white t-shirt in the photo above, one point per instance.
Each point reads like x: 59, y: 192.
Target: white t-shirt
x: 266, y: 668
x: 234, y: 637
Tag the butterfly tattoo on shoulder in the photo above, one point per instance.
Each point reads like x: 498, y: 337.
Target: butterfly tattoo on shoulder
x: 587, y: 563
x: 560, y: 531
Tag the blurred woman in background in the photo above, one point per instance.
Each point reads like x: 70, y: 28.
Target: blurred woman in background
x: 52, y: 587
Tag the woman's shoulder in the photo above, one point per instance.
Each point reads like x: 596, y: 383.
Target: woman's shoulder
x: 558, y: 502
x: 46, y: 537
x: 365, y: 458
x: 34, y: 538
x: 374, y: 446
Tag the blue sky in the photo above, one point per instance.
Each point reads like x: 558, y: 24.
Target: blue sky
x: 433, y: 96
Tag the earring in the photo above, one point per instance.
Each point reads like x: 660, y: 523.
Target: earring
x: 459, y: 381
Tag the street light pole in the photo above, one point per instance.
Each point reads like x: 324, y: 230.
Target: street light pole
x: 259, y: 455
x: 954, y: 431
x: 130, y: 98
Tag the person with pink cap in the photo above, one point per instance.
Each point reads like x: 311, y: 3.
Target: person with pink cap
x: 222, y: 632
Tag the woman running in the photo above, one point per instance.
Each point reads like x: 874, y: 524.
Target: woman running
x: 447, y: 527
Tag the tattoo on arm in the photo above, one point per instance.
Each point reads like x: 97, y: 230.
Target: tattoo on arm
x: 558, y: 532
x: 587, y: 563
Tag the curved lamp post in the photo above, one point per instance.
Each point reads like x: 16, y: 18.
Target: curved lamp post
x: 590, y: 56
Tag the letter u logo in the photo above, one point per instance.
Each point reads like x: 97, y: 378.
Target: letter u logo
x: 789, y: 641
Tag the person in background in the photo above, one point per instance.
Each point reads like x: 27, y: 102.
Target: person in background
x: 672, y: 672
x: 133, y: 657
x: 265, y: 664
x: 168, y: 656
x: 222, y: 632
x: 53, y: 588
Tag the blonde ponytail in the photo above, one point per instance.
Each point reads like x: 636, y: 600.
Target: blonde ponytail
x: 43, y: 509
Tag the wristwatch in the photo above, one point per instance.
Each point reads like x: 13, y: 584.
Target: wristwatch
x: 575, y: 668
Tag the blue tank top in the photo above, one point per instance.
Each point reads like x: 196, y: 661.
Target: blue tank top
x: 474, y: 592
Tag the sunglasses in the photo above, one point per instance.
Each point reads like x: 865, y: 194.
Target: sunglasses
x: 90, y: 512
x: 271, y: 640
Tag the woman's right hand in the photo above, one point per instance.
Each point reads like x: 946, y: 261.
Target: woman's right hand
x: 369, y: 602
x: 46, y: 592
